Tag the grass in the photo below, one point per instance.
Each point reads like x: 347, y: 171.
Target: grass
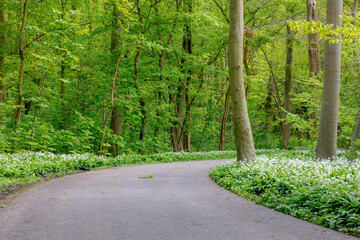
x: 21, y: 169
x: 323, y: 192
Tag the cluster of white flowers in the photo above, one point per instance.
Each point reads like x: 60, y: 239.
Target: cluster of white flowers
x: 339, y: 175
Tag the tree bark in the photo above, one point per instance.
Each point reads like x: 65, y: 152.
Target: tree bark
x: 356, y: 134
x: 224, y: 120
x: 62, y: 93
x: 136, y: 77
x: 37, y: 107
x: 288, y: 76
x: 62, y: 74
x: 22, y: 62
x: 355, y: 8
x: 327, y: 142
x: 116, y: 116
x: 142, y: 100
x: 268, y: 107
x: 177, y: 129
x: 354, y: 139
x: 242, y: 128
x: 314, y: 48
x: 2, y: 67
x: 187, y: 46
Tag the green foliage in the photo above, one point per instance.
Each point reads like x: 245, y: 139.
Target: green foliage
x: 325, y: 193
x: 69, y: 48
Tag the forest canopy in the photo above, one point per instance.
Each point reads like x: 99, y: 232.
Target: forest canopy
x: 149, y: 76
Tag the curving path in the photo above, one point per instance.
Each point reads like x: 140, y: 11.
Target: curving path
x: 179, y: 202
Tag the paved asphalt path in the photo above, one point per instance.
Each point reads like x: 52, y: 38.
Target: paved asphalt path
x: 179, y: 202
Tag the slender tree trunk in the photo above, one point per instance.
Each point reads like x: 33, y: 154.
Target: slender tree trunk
x: 356, y: 134
x: 268, y: 106
x: 224, y: 120
x: 187, y: 125
x: 37, y: 107
x: 62, y: 74
x: 116, y: 116
x: 62, y: 93
x: 288, y: 76
x: 113, y: 88
x: 178, y: 125
x: 314, y: 48
x: 142, y: 99
x: 242, y: 128
x: 327, y: 142
x: 100, y: 149
x: 22, y: 62
x: 355, y: 8
x: 2, y: 67
x: 355, y: 137
x: 187, y: 45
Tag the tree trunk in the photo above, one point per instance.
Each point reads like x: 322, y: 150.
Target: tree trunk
x: 62, y: 93
x: 2, y: 68
x: 22, y: 62
x: 62, y: 74
x: 356, y: 134
x: 142, y: 100
x: 242, y: 128
x: 224, y: 120
x: 177, y: 129
x: 355, y: 8
x: 327, y: 142
x: 116, y: 116
x: 187, y: 46
x: 187, y: 122
x: 37, y: 107
x: 355, y: 137
x: 288, y: 76
x: 314, y: 48
x: 268, y: 107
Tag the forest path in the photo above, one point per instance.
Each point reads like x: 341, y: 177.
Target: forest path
x: 173, y: 201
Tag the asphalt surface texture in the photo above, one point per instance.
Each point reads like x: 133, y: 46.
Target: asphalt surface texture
x: 173, y: 201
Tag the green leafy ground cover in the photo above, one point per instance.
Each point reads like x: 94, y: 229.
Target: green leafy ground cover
x: 323, y: 192
x: 26, y: 168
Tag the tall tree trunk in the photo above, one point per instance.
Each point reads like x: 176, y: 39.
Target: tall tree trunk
x: 37, y: 107
x: 22, y: 62
x: 179, y: 102
x: 142, y: 99
x: 242, y: 128
x: 2, y: 67
x: 355, y: 8
x: 187, y: 46
x: 116, y: 116
x: 136, y: 73
x: 268, y: 107
x: 355, y: 137
x: 314, y: 48
x: 62, y: 93
x: 327, y: 142
x: 356, y: 134
x: 288, y: 76
x: 224, y: 120
x: 62, y: 74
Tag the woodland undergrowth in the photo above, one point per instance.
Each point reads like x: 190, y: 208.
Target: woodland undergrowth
x: 323, y: 192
